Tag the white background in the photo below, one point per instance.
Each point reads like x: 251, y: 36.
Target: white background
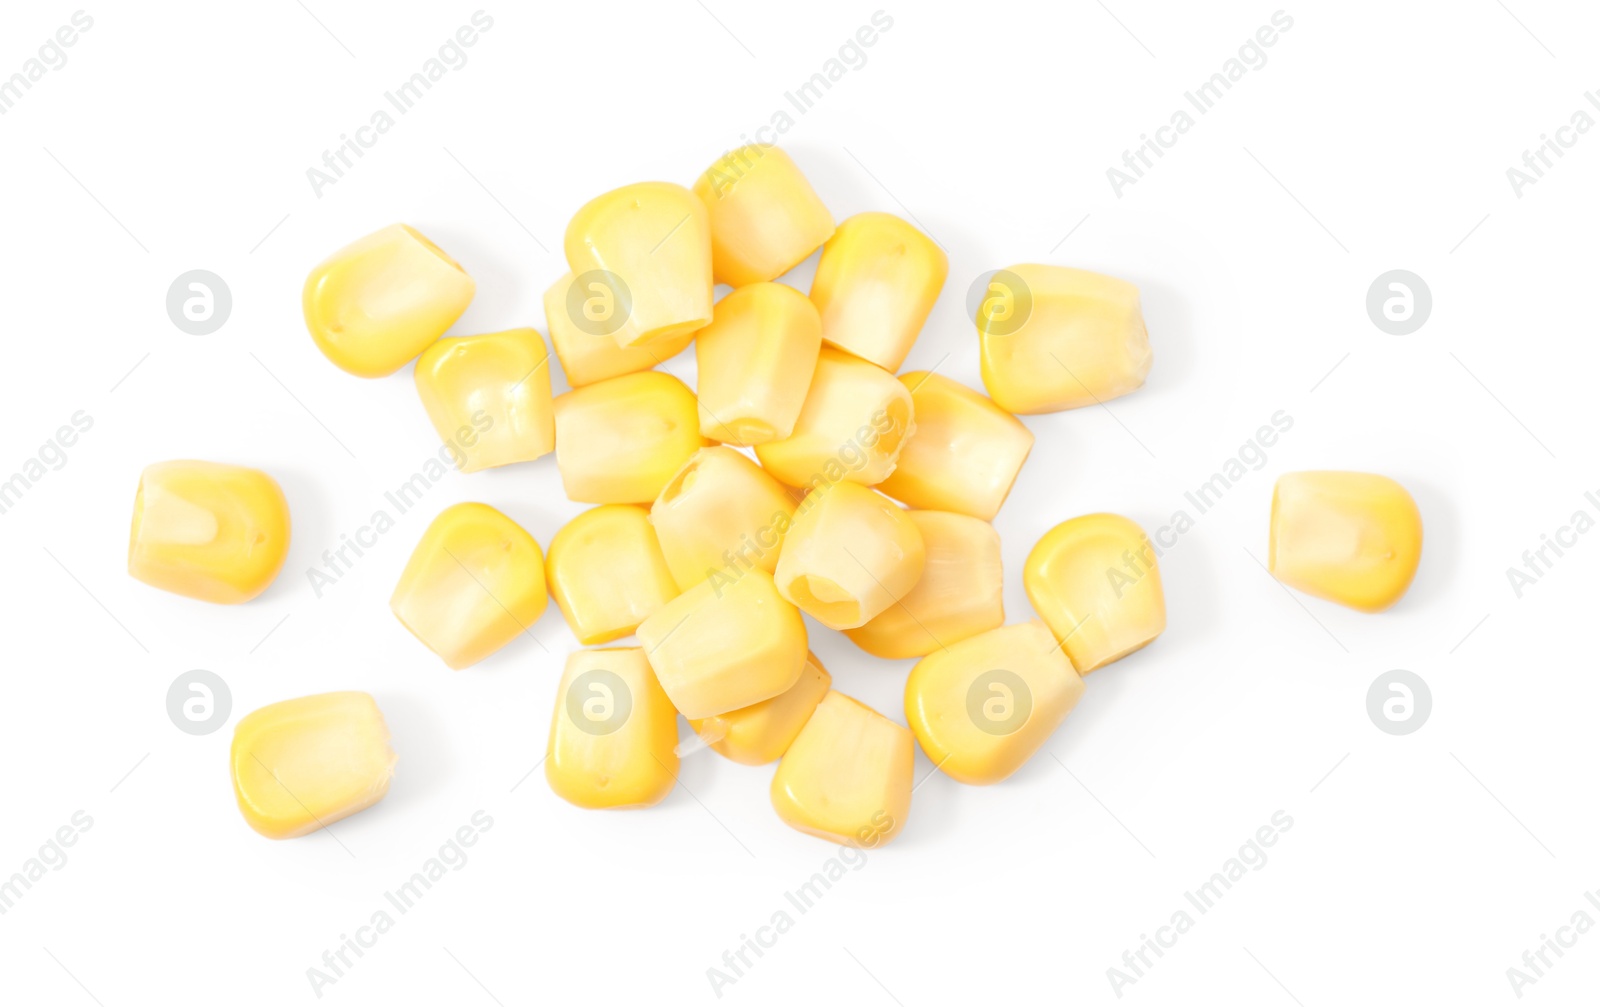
x: 1418, y: 870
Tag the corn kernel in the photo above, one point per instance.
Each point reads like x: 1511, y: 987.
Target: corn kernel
x: 219, y: 533
x: 759, y: 734
x: 876, y: 282
x: 850, y: 554
x: 755, y: 362
x: 620, y: 440
x: 847, y: 776
x: 583, y: 326
x: 606, y: 572
x: 855, y: 419
x: 303, y: 764
x: 720, y: 512
x: 613, y: 734
x: 474, y: 582
x: 724, y: 645
x: 377, y: 303
x: 1350, y: 537
x: 958, y: 595
x: 490, y: 396
x: 1052, y: 338
x: 982, y: 707
x: 966, y: 453
x: 651, y: 243
x: 1095, y: 583
x: 765, y: 217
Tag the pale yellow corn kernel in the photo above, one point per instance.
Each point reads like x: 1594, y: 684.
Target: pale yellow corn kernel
x: 489, y: 395
x: 620, y: 440
x: 876, y: 282
x: 982, y: 707
x: 966, y: 452
x: 606, y: 572
x: 378, y: 302
x: 855, y: 420
x: 474, y: 582
x: 1351, y: 537
x: 583, y: 329
x: 720, y: 512
x: 1095, y: 583
x: 651, y: 243
x: 850, y: 554
x: 725, y: 644
x: 755, y: 362
x: 957, y: 596
x: 613, y: 733
x: 759, y: 734
x: 1053, y: 338
x: 305, y: 763
x: 219, y: 533
x: 765, y: 217
x: 847, y: 776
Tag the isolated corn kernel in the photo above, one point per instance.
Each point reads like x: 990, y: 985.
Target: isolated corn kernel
x: 966, y: 452
x: 755, y: 362
x: 957, y: 596
x: 724, y: 645
x: 1351, y: 537
x: 613, y: 734
x: 620, y: 440
x: 759, y: 734
x: 219, y: 533
x: 583, y: 326
x: 765, y: 217
x: 1053, y: 338
x: 606, y: 572
x: 850, y: 554
x: 982, y: 707
x: 847, y: 776
x: 303, y: 764
x: 876, y: 282
x: 377, y: 303
x: 489, y: 395
x: 1095, y: 583
x: 720, y: 512
x: 473, y: 583
x: 651, y: 243
x: 855, y: 419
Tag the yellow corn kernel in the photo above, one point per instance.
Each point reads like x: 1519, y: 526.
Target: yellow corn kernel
x: 219, y: 533
x: 958, y: 595
x: 377, y: 303
x: 490, y: 396
x: 1095, y: 583
x: 966, y: 453
x: 855, y: 419
x: 720, y: 512
x: 981, y: 708
x: 847, y: 776
x: 755, y: 362
x: 765, y: 217
x: 620, y: 440
x: 725, y: 644
x: 876, y: 282
x: 1350, y: 537
x: 850, y: 554
x: 606, y: 572
x: 475, y: 581
x: 759, y: 734
x: 305, y: 763
x: 613, y: 734
x: 651, y: 244
x: 584, y: 326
